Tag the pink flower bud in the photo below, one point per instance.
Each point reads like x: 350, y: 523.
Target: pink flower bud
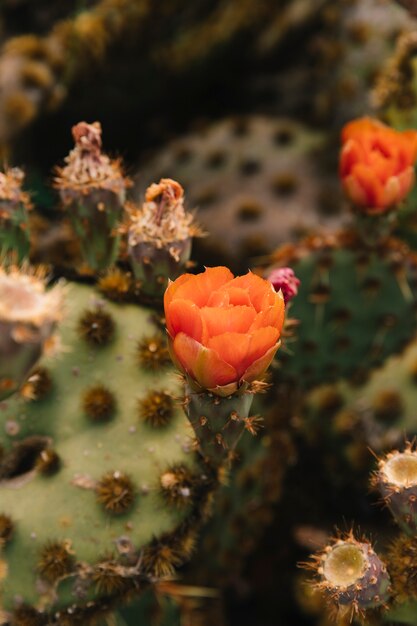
x: 284, y: 278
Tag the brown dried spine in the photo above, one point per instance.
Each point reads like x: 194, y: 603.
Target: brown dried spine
x: 116, y: 492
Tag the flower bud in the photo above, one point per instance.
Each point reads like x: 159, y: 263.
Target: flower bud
x: 160, y: 236
x: 28, y: 316
x: 93, y: 191
x: 284, y: 279
x: 14, y: 207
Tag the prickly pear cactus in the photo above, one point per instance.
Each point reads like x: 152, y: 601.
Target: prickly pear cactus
x: 101, y: 492
x: 355, y: 306
x: 245, y: 503
x: 241, y: 174
x: 377, y: 414
x: 359, y: 584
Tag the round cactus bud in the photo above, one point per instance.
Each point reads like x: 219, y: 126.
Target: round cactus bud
x: 352, y: 574
x: 28, y: 316
x: 160, y: 236
x: 93, y: 191
x: 396, y: 479
x: 284, y: 279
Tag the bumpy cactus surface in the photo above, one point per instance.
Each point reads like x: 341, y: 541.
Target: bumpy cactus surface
x: 355, y: 306
x: 254, y: 178
x: 377, y: 413
x: 101, y: 492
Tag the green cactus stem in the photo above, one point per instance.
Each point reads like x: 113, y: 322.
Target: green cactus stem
x: 219, y: 422
x: 93, y: 192
x: 14, y: 207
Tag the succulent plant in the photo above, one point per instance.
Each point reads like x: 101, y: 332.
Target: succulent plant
x: 366, y: 296
x: 93, y: 191
x: 241, y: 173
x: 358, y: 582
x: 14, y: 218
x: 99, y: 443
x: 28, y: 317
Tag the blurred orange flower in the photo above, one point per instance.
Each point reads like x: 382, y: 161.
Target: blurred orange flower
x: 377, y: 164
x: 224, y: 331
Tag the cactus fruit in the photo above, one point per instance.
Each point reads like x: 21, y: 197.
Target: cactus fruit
x: 159, y: 237
x: 392, y: 578
x: 352, y: 575
x: 93, y: 192
x: 396, y: 480
x: 101, y: 493
x: 355, y: 306
x: 241, y: 174
x: 28, y: 316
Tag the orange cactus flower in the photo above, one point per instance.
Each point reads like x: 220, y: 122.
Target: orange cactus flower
x: 224, y: 331
x: 377, y: 164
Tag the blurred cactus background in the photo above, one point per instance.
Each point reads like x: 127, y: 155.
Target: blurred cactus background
x: 141, y: 140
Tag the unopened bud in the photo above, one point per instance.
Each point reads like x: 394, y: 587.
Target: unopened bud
x: 284, y: 279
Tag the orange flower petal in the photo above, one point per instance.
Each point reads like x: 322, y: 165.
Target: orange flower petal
x: 410, y: 146
x: 202, y: 364
x: 200, y: 286
x: 352, y: 152
x: 359, y: 128
x: 258, y: 367
x: 406, y: 180
x: 184, y: 316
x: 355, y: 191
x: 233, y: 348
x: 219, y: 320
x: 261, y: 292
x: 370, y: 184
x: 241, y: 350
x: 173, y: 287
x: 219, y: 298
x: 238, y: 296
x: 271, y: 316
x: 392, y: 191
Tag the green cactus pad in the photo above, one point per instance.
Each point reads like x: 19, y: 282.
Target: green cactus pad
x: 355, y: 306
x: 102, y: 504
x: 380, y: 413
